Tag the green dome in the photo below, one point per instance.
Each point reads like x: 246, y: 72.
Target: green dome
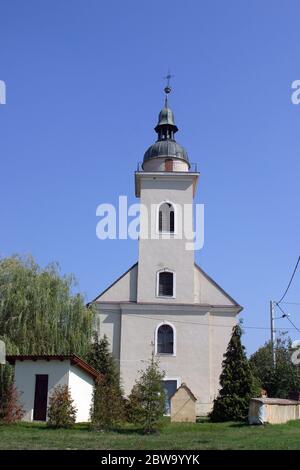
x: 166, y: 148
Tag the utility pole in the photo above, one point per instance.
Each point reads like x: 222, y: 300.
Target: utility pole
x: 273, y: 333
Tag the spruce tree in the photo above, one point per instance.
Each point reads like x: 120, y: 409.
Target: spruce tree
x: 101, y: 359
x: 236, y: 382
x: 107, y: 408
x: 147, y: 399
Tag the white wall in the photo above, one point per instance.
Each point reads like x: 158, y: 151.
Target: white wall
x: 59, y: 373
x: 109, y: 324
x: 124, y: 289
x: 202, y: 340
x: 206, y: 291
x: 25, y: 372
x: 157, y: 254
x: 81, y: 386
x: 158, y: 164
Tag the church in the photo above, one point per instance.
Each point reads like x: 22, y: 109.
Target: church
x: 165, y: 303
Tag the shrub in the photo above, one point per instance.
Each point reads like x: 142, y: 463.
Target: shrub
x: 61, y: 411
x: 12, y: 409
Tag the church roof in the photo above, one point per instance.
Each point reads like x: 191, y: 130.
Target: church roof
x: 166, y: 148
x: 166, y: 145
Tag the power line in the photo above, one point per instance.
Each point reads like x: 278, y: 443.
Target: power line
x: 291, y: 280
x: 208, y: 324
x: 287, y: 317
x: 291, y: 303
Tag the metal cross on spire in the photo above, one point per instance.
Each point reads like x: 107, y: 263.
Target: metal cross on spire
x: 168, y: 89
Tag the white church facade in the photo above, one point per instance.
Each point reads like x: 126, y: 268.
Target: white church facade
x: 165, y: 303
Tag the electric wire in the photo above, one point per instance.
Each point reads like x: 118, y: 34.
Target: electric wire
x: 289, y: 284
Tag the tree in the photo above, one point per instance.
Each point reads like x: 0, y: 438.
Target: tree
x: 11, y: 407
x: 147, y: 399
x: 107, y: 409
x: 61, y: 411
x: 101, y: 359
x: 39, y: 314
x: 283, y: 379
x: 236, y: 382
x: 6, y: 379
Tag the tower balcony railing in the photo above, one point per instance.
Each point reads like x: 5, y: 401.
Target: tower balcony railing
x: 193, y: 168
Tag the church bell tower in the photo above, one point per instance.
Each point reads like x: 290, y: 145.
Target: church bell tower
x: 166, y: 185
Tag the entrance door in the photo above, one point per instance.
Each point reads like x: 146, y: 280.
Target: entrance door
x: 40, y: 397
x: 170, y: 387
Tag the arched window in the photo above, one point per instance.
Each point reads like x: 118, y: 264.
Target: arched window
x: 165, y: 339
x: 165, y: 287
x: 166, y: 218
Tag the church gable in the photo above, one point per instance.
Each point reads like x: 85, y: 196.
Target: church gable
x: 124, y: 289
x: 208, y: 292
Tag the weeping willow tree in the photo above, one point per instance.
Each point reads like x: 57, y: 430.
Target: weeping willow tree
x: 39, y: 313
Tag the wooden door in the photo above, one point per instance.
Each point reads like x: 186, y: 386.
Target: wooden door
x: 40, y: 397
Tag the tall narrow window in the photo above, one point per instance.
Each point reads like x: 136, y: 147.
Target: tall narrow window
x: 165, y: 340
x: 166, y: 284
x: 166, y: 218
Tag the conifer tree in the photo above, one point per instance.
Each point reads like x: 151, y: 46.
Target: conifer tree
x: 107, y: 409
x: 101, y: 359
x: 147, y: 399
x: 236, y: 382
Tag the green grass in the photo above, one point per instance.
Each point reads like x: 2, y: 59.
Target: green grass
x: 173, y: 436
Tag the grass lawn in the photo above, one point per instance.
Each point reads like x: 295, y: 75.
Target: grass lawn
x: 202, y: 435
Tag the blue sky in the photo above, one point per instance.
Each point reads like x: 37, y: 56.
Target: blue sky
x: 84, y: 87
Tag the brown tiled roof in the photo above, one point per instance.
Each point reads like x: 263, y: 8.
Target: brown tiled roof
x: 75, y: 360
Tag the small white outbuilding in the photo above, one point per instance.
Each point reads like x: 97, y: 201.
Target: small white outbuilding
x: 273, y: 410
x: 37, y: 376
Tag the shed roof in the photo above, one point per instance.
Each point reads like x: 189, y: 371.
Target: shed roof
x: 276, y: 401
x: 74, y: 360
x: 187, y: 389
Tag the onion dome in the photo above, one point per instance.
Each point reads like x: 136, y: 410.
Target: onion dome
x: 166, y: 145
